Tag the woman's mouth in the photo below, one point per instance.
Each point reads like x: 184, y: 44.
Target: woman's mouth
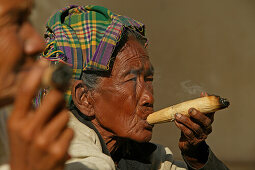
x: 148, y: 126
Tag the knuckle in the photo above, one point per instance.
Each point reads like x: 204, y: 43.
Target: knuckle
x: 26, y: 135
x: 184, y: 119
x: 207, y: 122
x: 202, y: 138
x: 188, y: 133
x: 57, y: 153
x: 197, y: 128
x: 194, y: 112
x: 41, y: 143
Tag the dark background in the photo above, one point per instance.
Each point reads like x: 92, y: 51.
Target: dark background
x: 195, y: 46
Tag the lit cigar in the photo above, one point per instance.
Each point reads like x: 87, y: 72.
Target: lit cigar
x: 57, y: 76
x: 205, y: 105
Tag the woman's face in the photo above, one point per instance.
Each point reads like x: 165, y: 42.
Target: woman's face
x: 19, y: 44
x: 123, y: 101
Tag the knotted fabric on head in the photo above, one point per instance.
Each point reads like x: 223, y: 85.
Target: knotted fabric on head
x: 85, y: 37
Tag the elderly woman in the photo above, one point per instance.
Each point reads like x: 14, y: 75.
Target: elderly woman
x: 112, y: 95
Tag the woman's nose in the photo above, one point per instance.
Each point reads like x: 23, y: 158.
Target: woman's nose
x: 147, y: 98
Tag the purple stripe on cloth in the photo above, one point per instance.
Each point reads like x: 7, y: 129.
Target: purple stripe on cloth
x: 57, y: 28
x: 113, y: 30
x: 114, y: 22
x: 68, y: 53
x: 61, y: 38
x: 103, y: 53
x: 112, y: 33
x: 105, y: 49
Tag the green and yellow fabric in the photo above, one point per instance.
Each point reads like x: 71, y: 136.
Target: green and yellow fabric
x: 85, y: 37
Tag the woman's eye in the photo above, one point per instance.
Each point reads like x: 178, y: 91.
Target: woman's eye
x: 148, y: 79
x: 131, y: 78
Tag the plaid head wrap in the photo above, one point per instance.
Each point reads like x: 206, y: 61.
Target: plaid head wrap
x: 85, y: 37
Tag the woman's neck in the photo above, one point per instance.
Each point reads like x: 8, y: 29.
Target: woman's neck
x: 106, y: 135
x: 118, y: 147
x: 124, y: 148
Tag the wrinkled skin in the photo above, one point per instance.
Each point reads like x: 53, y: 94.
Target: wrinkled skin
x: 194, y: 130
x: 126, y: 98
x: 122, y: 102
x: 38, y: 138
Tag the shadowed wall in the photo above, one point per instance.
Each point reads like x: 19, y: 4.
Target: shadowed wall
x: 195, y: 46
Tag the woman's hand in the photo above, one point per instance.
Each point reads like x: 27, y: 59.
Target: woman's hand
x: 194, y: 130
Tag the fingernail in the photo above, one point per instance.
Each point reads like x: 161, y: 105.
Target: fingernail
x: 191, y: 110
x: 178, y: 115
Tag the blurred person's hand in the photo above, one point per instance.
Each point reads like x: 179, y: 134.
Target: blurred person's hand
x: 194, y: 130
x: 39, y: 138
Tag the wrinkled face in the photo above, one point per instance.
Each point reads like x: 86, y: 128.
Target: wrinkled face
x: 19, y: 43
x: 123, y: 101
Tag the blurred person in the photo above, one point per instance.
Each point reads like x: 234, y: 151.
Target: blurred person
x: 112, y: 95
x: 38, y: 138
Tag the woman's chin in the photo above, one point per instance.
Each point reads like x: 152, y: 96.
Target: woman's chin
x: 144, y: 137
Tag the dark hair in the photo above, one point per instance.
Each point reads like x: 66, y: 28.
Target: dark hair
x: 92, y: 78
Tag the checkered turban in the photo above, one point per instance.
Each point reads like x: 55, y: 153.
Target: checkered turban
x: 85, y: 37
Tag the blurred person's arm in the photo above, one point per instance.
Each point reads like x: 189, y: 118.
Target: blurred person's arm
x: 38, y: 138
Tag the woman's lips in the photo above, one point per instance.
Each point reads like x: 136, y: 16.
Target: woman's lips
x: 146, y: 113
x: 148, y: 126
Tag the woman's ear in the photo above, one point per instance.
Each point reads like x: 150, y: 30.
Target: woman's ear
x: 81, y: 97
